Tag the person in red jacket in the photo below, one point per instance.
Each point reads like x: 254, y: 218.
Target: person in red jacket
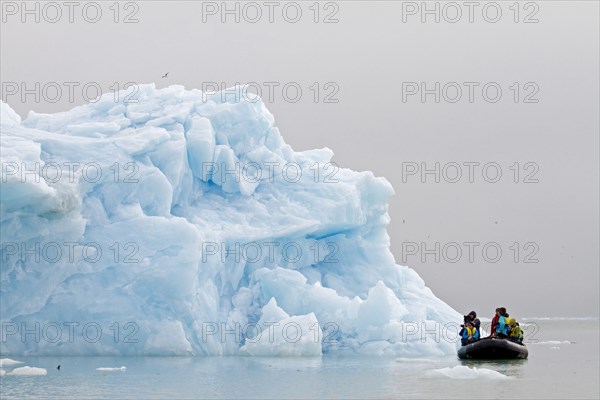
x: 494, y: 322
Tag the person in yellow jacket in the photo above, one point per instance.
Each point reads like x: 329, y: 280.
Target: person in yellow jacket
x: 468, y: 334
x: 516, y: 333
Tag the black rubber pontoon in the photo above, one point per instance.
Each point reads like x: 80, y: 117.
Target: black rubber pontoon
x: 493, y: 349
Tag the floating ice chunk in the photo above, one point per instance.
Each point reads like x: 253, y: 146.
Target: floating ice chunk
x: 28, y: 371
x: 121, y: 369
x: 8, y: 361
x: 464, y: 372
x: 416, y: 360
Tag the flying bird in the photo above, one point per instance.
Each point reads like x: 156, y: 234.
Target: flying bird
x: 165, y: 75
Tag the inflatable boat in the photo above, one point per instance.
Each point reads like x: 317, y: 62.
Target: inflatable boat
x: 493, y: 349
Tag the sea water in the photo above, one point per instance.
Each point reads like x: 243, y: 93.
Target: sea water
x: 563, y: 363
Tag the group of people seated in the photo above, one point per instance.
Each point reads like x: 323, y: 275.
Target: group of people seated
x: 503, y: 326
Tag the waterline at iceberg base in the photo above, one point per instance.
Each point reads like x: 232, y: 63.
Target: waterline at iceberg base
x: 181, y: 223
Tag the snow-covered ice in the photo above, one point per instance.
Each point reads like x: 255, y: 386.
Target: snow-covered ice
x: 119, y: 369
x: 9, y: 361
x: 183, y: 224
x: 464, y: 372
x: 28, y: 371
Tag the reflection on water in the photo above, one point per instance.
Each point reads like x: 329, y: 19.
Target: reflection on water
x: 563, y: 370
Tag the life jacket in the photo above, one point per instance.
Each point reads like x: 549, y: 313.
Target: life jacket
x: 473, y: 332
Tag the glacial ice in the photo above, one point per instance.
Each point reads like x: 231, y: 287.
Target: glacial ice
x: 111, y: 369
x: 292, y: 336
x: 181, y: 223
x: 463, y: 372
x: 9, y: 362
x: 27, y: 371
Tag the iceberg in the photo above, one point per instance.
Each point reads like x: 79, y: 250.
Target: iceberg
x: 178, y: 222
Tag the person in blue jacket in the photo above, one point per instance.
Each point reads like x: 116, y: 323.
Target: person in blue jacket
x: 503, y: 323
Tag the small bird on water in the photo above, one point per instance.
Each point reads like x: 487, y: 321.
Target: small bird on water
x: 58, y: 367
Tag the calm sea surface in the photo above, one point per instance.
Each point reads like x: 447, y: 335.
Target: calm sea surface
x: 553, y: 370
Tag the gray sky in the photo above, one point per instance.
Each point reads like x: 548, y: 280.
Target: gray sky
x: 371, y: 61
